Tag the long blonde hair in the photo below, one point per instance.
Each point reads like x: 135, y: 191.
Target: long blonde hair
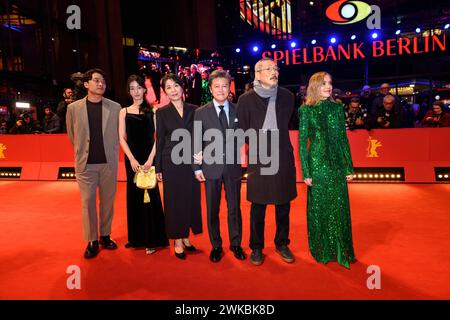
x: 313, y: 91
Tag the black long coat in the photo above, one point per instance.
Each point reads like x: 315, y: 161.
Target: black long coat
x: 181, y: 190
x: 270, y: 189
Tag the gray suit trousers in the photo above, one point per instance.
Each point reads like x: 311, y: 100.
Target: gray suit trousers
x: 102, y: 177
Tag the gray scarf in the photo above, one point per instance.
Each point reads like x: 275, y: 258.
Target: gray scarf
x: 270, y: 122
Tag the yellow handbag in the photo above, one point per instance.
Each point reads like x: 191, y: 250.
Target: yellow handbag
x: 145, y: 180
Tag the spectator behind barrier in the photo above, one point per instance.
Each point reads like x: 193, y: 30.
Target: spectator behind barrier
x: 25, y: 125
x: 436, y: 117
x: 356, y: 116
x: 51, y: 122
x: 389, y: 117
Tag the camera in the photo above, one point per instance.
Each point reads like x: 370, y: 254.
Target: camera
x: 352, y: 117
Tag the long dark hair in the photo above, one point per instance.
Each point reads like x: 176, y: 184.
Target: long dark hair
x: 145, y: 107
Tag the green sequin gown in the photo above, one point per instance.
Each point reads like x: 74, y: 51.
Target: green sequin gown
x: 327, y: 161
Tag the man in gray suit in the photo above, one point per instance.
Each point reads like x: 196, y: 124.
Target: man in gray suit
x: 92, y: 126
x: 220, y: 115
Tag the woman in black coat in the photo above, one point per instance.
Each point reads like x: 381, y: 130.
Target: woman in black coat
x: 181, y: 191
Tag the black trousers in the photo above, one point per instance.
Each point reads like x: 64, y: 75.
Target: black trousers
x: 213, y: 189
x: 257, y: 221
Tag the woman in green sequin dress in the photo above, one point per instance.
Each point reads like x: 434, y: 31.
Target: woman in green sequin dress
x: 326, y: 168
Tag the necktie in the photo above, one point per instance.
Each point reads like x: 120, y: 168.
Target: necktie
x: 223, y: 119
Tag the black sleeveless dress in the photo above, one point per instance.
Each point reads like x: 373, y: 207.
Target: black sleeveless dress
x: 146, y: 223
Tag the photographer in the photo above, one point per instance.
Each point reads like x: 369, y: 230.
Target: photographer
x: 436, y: 117
x: 356, y: 116
x: 61, y: 110
x: 25, y: 125
x: 389, y: 117
x: 51, y: 122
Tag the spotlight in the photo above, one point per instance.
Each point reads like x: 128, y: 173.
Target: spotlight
x: 333, y: 40
x: 365, y: 176
x: 273, y: 46
x: 439, y: 176
x: 418, y: 30
x: 437, y: 97
x: 66, y: 173
x: 446, y: 176
x: 314, y: 41
x: 293, y: 44
x: 397, y: 32
x: 353, y: 37
x: 376, y: 176
x: 311, y: 3
x: 374, y: 35
x: 399, y: 176
x: 392, y: 176
x: 382, y: 176
x: 447, y: 26
x: 359, y: 176
x: 255, y: 48
x: 238, y: 50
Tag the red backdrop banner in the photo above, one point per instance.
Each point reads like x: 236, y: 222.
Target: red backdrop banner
x: 418, y: 151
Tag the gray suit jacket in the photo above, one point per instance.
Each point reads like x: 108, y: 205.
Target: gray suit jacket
x: 78, y: 131
x: 208, y: 116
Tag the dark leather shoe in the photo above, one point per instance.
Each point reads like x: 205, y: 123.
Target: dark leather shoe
x: 286, y: 254
x: 181, y: 255
x: 238, y: 252
x: 190, y: 248
x: 92, y: 250
x: 257, y: 257
x: 216, y: 254
x: 107, y: 243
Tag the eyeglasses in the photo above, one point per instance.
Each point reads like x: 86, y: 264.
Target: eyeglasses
x: 98, y: 81
x: 276, y: 69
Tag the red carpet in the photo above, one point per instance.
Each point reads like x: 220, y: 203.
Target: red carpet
x: 403, y: 229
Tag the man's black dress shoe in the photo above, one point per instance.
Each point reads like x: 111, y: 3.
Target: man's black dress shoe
x: 91, y: 250
x: 107, y: 243
x: 216, y: 254
x: 238, y: 252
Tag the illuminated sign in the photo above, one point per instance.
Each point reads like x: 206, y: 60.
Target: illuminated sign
x: 344, y: 12
x: 271, y: 17
x: 361, y: 50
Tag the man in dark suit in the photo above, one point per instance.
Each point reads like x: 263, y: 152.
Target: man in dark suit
x: 195, y: 86
x: 268, y: 109
x: 220, y: 115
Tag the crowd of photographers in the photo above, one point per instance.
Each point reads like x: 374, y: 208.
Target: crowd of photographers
x: 381, y: 110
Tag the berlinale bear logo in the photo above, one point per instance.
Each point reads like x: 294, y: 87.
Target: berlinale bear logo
x: 348, y: 12
x: 372, y: 148
x: 2, y: 148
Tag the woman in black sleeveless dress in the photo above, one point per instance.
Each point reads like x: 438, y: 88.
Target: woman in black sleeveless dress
x: 146, y: 223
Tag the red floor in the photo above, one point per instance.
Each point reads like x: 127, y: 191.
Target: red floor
x: 403, y: 229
